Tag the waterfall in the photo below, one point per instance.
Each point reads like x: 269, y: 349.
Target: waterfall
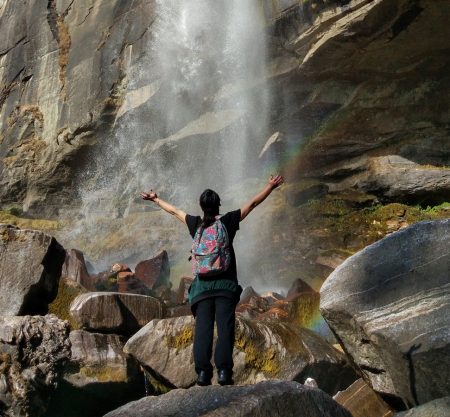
x: 201, y: 121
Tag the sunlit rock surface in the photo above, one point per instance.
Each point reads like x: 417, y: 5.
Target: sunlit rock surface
x: 98, y: 378
x: 263, y: 350
x: 111, y: 312
x: 63, y: 72
x: 266, y: 399
x: 435, y: 408
x: 32, y: 352
x: 30, y: 268
x: 74, y: 267
x: 362, y: 401
x: 154, y: 272
x: 390, y: 306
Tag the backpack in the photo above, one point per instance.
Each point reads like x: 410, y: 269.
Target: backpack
x: 210, y: 251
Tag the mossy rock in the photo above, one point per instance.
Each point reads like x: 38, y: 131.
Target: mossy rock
x: 68, y: 290
x: 12, y: 216
x: 182, y: 339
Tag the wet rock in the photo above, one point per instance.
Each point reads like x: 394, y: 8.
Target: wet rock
x: 272, y: 147
x: 272, y: 297
x: 68, y: 290
x: 178, y: 311
x: 246, y: 294
x: 127, y: 283
x: 299, y: 196
x: 183, y: 290
x: 389, y: 305
x: 435, y: 408
x: 68, y: 58
x: 263, y: 350
x: 155, y: 271
x: 310, y: 382
x: 74, y: 267
x: 117, y: 268
x: 266, y: 399
x: 331, y: 262
x: 164, y: 294
x: 392, y: 178
x: 114, y: 312
x: 98, y: 378
x: 298, y: 288
x: 363, y: 401
x: 30, y: 268
x: 253, y: 306
x: 32, y: 352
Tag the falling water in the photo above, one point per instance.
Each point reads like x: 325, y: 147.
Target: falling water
x: 202, y: 123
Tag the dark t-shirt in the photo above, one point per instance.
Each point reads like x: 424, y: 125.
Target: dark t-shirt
x: 231, y: 222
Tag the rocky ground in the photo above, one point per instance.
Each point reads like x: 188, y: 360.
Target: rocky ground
x: 388, y: 308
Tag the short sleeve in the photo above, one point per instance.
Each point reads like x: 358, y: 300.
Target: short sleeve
x: 192, y: 224
x: 231, y: 221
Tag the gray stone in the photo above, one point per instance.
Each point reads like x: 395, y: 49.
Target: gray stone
x: 75, y: 268
x: 30, y: 268
x: 154, y: 272
x: 247, y: 293
x: 389, y: 305
x: 113, y: 312
x: 263, y: 350
x: 391, y: 178
x: 183, y: 290
x: 98, y: 378
x: 63, y: 73
x: 32, y: 352
x: 266, y: 399
x: 362, y: 401
x: 435, y: 408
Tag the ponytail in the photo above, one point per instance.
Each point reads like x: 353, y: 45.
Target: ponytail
x: 210, y: 203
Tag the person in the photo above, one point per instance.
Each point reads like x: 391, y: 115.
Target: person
x: 215, y: 299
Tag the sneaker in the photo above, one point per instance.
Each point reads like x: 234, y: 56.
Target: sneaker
x: 203, y: 379
x: 225, y: 377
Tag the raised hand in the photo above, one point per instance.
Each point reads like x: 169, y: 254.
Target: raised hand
x: 149, y: 196
x: 276, y: 181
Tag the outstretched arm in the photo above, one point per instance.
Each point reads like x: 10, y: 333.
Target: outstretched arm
x: 273, y: 183
x: 152, y: 196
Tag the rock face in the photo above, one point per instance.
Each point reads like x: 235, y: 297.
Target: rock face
x: 112, y: 312
x: 32, y: 352
x: 263, y: 350
x: 335, y: 86
x: 53, y: 115
x: 30, y: 268
x: 98, y: 378
x: 183, y: 290
x: 366, y: 117
x: 390, y: 306
x: 388, y: 100
x: 68, y: 290
x: 266, y: 399
x: 435, y: 408
x: 363, y: 401
x: 298, y: 288
x: 154, y: 272
x: 74, y: 267
x: 393, y: 178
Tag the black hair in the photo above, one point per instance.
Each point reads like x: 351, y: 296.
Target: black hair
x: 210, y: 203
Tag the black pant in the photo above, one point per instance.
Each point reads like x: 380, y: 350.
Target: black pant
x: 222, y: 310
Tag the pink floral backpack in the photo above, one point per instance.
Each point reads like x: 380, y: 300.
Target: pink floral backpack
x: 210, y: 251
